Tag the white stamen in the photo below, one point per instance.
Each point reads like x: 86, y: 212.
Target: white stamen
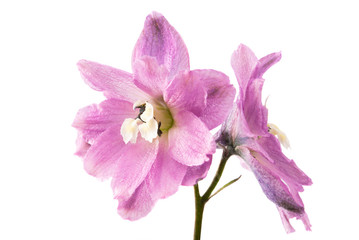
x: 273, y: 129
x: 148, y: 130
x: 145, y: 123
x: 129, y: 130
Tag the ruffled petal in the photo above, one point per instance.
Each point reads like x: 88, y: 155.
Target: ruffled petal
x: 254, y: 112
x: 166, y: 174
x: 220, y: 95
x: 160, y: 40
x: 190, y: 140
x: 284, y: 166
x: 133, y: 164
x: 186, y: 93
x: 243, y: 63
x: 149, y: 76
x: 138, y: 205
x: 102, y: 157
x: 161, y: 181
x: 114, y: 83
x: 196, y: 173
x: 276, y: 190
x: 93, y: 120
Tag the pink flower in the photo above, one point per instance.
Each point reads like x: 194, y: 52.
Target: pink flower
x: 152, y: 133
x: 247, y: 131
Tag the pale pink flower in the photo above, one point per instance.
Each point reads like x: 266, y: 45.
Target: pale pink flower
x: 247, y: 131
x: 152, y: 133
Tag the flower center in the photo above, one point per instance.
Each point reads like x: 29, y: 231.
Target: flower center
x: 152, y: 121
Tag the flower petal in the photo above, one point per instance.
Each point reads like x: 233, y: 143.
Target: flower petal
x: 149, y: 76
x: 196, y: 173
x: 286, y: 215
x: 185, y: 92
x: 243, y: 63
x: 137, y: 206
x: 92, y: 120
x: 190, y: 140
x: 102, y: 157
x: 165, y: 175
x: 115, y: 83
x: 274, y: 188
x: 265, y: 63
x: 160, y: 40
x: 284, y: 166
x: 254, y: 112
x: 133, y: 164
x: 220, y: 95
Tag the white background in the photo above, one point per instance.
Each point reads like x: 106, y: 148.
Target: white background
x: 46, y: 194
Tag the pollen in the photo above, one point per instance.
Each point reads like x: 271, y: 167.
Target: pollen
x: 273, y: 129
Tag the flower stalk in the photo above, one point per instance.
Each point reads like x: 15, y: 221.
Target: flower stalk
x: 200, y: 201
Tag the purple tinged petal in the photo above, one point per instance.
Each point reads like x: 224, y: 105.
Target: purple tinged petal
x: 114, y: 83
x: 196, y: 173
x: 276, y: 189
x: 160, y: 40
x: 265, y: 63
x: 186, y: 93
x: 243, y: 63
x: 149, y: 76
x: 133, y: 164
x: 254, y: 112
x: 220, y: 95
x: 286, y: 215
x: 189, y: 139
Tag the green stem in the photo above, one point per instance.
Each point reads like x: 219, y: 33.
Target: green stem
x: 200, y: 202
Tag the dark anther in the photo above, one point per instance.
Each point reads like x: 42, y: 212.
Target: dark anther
x: 159, y: 132
x: 142, y: 110
x: 269, y: 129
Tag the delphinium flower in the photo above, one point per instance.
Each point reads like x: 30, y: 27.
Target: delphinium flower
x: 247, y: 133
x: 152, y: 133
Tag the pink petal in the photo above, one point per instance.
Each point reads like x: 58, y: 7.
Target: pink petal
x: 254, y: 112
x: 220, y: 95
x: 93, y: 120
x: 286, y: 215
x: 81, y: 145
x: 286, y: 167
x: 234, y: 128
x: 113, y: 82
x: 190, y: 140
x: 149, y: 76
x: 279, y: 192
x: 160, y: 40
x: 196, y: 173
x: 133, y: 164
x: 102, y: 157
x: 138, y: 205
x: 166, y: 174
x: 243, y: 63
x: 161, y: 181
x: 186, y: 93
x: 265, y: 63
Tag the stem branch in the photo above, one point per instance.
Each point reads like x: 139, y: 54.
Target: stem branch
x: 200, y: 202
